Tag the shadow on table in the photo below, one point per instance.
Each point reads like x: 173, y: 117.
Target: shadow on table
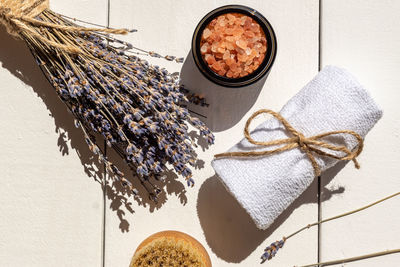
x: 229, y: 230
x: 17, y: 59
x: 227, y: 106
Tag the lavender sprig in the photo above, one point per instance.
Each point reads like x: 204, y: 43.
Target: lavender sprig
x: 272, y: 249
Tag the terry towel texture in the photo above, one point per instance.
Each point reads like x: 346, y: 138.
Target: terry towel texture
x: 266, y: 186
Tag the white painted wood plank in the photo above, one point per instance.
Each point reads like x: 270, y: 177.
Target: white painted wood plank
x: 51, y: 211
x: 364, y: 37
x: 207, y: 211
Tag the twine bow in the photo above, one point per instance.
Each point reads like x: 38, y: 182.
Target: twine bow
x: 18, y: 17
x: 309, y: 145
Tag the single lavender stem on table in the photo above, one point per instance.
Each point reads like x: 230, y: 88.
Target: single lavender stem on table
x: 272, y: 249
x: 357, y: 258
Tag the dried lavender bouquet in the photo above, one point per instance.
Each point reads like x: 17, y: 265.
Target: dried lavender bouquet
x: 135, y: 106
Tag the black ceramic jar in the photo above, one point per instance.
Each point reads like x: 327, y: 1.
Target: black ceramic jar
x: 254, y: 76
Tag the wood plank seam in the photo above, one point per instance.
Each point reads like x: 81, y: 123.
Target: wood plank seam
x: 103, y: 256
x: 319, y: 177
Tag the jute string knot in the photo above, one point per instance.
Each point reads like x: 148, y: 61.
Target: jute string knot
x: 19, y: 18
x: 300, y: 140
x: 311, y: 146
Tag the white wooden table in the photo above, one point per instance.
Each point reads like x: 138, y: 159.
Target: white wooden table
x: 54, y: 211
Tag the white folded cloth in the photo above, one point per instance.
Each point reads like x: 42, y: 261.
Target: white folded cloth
x: 265, y: 186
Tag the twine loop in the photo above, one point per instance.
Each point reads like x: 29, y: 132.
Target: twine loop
x: 311, y: 146
x: 19, y: 18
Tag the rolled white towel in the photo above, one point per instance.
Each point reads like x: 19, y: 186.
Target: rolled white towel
x: 265, y: 186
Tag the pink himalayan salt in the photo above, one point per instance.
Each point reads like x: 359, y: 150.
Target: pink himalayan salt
x: 233, y: 45
x: 206, y: 33
x: 204, y: 48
